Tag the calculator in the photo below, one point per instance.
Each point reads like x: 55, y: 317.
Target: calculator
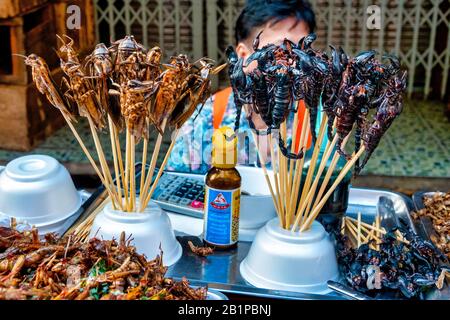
x: 181, y: 193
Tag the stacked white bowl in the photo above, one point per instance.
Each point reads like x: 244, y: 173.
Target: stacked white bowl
x: 280, y: 259
x: 256, y: 202
x: 38, y: 190
x: 150, y: 231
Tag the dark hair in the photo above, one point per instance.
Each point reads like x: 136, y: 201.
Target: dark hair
x: 258, y: 12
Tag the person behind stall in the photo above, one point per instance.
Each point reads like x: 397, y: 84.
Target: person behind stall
x: 279, y: 19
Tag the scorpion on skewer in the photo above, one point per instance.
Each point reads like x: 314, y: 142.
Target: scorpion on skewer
x: 391, y: 106
x: 348, y: 88
x: 276, y: 84
x: 331, y: 86
x: 240, y: 83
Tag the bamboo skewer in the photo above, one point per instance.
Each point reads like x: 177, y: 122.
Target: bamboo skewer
x: 343, y: 222
x: 82, y: 231
x: 287, y: 186
x: 352, y: 231
x: 116, y: 164
x: 287, y: 178
x: 161, y: 169
x: 373, y: 232
x: 329, y: 173
x: 306, y: 204
x: 313, y: 160
x: 359, y: 229
x: 338, y: 180
x: 127, y: 167
x: 133, y: 173
x: 359, y: 237
x: 144, y: 164
x: 86, y: 151
x: 364, y: 224
x: 370, y: 234
x: 298, y: 172
x: 153, y: 162
x: 266, y: 174
x: 312, y: 165
x: 275, y: 178
x: 282, y: 175
x: 103, y: 163
x: 367, y: 230
x: 312, y: 191
x: 144, y: 159
x: 121, y: 168
x: 377, y: 225
x: 293, y: 146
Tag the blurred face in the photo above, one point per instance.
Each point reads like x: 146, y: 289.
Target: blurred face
x: 289, y: 28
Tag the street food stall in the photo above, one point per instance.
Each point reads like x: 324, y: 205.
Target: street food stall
x: 291, y: 227
x: 370, y: 248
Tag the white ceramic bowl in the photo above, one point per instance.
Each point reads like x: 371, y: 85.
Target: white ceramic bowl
x: 148, y: 229
x: 256, y: 208
x: 39, y: 190
x: 282, y: 260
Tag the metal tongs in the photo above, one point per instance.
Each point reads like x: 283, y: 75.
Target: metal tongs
x: 386, y: 212
x: 347, y: 291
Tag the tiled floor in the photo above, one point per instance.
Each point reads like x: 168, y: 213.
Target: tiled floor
x: 417, y: 144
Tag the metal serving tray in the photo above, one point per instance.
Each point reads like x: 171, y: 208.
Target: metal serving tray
x: 220, y: 271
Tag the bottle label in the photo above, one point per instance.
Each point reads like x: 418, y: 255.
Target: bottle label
x: 222, y: 207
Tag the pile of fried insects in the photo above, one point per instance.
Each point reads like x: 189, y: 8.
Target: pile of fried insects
x: 62, y: 269
x: 437, y: 209
x: 393, y: 261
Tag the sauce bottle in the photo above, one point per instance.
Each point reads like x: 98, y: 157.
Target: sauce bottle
x: 222, y: 192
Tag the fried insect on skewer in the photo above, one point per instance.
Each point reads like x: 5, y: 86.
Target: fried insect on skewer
x: 134, y: 99
x: 389, y: 109
x: 46, y: 85
x: 173, y: 80
x: 79, y: 88
x: 196, y: 93
x: 128, y: 58
x: 153, y: 64
x: 100, y: 67
x: 200, y: 251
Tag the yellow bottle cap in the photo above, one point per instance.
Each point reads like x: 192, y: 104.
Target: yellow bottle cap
x: 224, y: 150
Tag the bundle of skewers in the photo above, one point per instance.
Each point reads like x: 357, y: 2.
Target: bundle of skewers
x: 348, y: 87
x: 126, y: 88
x: 363, y: 233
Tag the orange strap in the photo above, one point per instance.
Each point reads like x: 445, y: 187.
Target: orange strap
x: 220, y: 106
x: 301, y: 114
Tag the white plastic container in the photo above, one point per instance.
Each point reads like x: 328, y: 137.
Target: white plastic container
x: 256, y: 208
x: 148, y: 229
x: 282, y: 260
x: 39, y: 190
